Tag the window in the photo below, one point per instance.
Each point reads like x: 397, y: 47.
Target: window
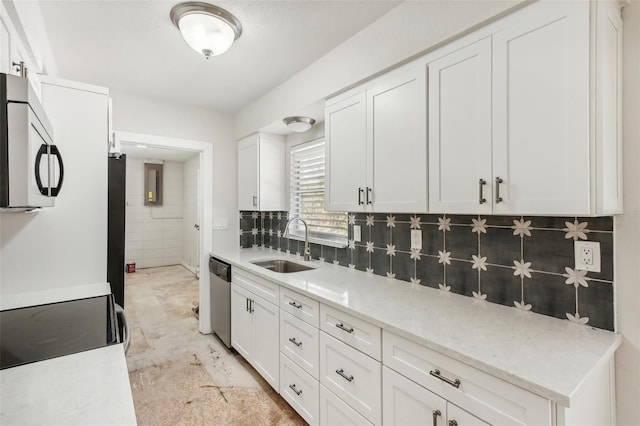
x: 307, y: 168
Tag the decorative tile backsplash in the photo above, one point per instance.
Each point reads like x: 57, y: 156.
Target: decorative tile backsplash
x: 523, y: 262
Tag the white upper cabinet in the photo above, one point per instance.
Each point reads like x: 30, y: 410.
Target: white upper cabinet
x: 261, y: 173
x: 346, y: 147
x: 460, y: 130
x: 376, y: 146
x: 514, y: 126
x: 541, y: 111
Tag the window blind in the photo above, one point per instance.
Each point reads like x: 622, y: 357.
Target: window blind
x: 307, y: 175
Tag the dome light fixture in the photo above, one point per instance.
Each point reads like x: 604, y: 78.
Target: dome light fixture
x: 208, y: 29
x: 299, y: 124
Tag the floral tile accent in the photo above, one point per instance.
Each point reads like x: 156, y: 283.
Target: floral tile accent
x: 526, y: 263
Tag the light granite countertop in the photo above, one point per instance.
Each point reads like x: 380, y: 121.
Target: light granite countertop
x: 550, y: 357
x: 85, y: 388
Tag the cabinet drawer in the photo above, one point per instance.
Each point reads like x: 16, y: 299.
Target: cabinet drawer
x: 482, y: 394
x: 300, y: 390
x: 336, y: 412
x: 299, y: 341
x: 303, y: 307
x: 353, y: 376
x: 353, y: 331
x: 259, y: 286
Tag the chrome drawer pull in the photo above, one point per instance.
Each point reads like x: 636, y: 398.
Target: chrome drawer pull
x: 295, y: 305
x: 436, y: 373
x: 436, y: 414
x: 293, y: 388
x: 498, y: 182
x: 453, y: 423
x: 347, y: 378
x: 293, y: 340
x: 481, y: 199
x: 342, y: 327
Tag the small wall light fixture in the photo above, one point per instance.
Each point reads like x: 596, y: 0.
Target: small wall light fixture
x: 299, y: 124
x: 208, y: 29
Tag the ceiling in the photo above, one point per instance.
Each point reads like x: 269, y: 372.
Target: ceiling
x: 132, y: 46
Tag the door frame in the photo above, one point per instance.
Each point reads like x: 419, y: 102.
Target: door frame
x: 205, y: 204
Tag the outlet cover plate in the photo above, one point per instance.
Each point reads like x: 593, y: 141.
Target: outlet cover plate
x: 357, y: 233
x: 416, y: 239
x: 587, y: 255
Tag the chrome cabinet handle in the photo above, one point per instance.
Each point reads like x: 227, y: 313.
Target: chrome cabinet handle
x: 498, y: 182
x: 126, y: 329
x: 481, y: 184
x: 246, y: 304
x: 453, y: 423
x: 255, y: 200
x: 436, y: 373
x: 295, y: 342
x: 295, y: 305
x: 293, y: 388
x: 360, y: 191
x: 368, y: 194
x: 341, y: 373
x: 342, y: 327
x: 436, y: 414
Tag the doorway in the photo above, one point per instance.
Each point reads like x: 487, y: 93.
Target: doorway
x: 186, y: 213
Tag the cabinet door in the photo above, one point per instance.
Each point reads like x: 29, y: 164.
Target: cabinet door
x: 397, y: 144
x: 541, y: 111
x: 346, y: 147
x: 5, y: 49
x: 248, y: 172
x: 406, y: 403
x: 266, y: 357
x: 460, y: 131
x: 241, y: 322
x: 461, y: 417
x: 336, y: 412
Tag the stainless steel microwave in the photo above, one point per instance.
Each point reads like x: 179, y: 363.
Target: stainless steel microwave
x: 31, y: 167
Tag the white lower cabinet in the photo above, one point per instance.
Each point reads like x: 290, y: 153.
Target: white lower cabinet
x: 255, y: 332
x: 336, y: 412
x: 300, y: 390
x: 484, y: 396
x: 353, y: 376
x: 407, y: 403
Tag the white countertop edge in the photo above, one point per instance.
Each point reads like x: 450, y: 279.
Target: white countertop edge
x: 563, y: 398
x: 43, y: 297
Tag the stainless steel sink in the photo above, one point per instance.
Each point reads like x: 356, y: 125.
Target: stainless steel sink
x: 281, y: 266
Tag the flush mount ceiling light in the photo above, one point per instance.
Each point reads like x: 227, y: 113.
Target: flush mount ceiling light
x: 299, y: 124
x: 208, y: 29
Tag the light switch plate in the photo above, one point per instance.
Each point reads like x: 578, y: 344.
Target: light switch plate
x: 587, y: 255
x: 220, y: 224
x: 357, y: 233
x: 416, y: 239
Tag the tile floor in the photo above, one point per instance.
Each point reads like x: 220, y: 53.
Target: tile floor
x: 179, y: 376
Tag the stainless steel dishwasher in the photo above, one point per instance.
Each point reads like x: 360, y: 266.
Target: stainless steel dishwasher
x: 220, y: 279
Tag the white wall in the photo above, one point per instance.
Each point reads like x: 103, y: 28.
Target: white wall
x: 627, y: 230
x: 408, y: 30
x: 137, y: 114
x: 154, y: 233
x: 66, y: 245
x: 190, y: 215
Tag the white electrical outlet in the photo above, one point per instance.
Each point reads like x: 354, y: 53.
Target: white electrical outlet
x: 357, y: 234
x: 587, y: 255
x: 416, y: 239
x: 219, y: 224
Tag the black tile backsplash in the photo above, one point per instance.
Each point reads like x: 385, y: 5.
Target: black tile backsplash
x: 456, y: 247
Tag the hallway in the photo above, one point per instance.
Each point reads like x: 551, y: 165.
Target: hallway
x: 179, y: 376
